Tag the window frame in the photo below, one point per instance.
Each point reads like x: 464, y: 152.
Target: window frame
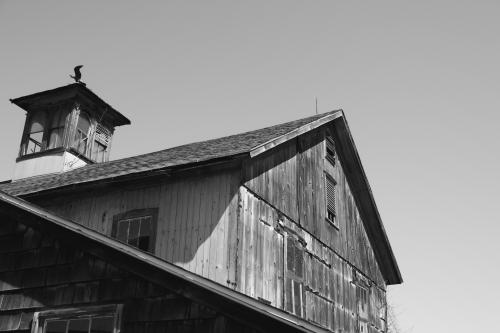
x: 329, y: 142
x: 27, y: 132
x: 75, y: 144
x: 61, y: 114
x: 48, y: 115
x: 335, y: 221
x: 135, y: 214
x: 41, y: 317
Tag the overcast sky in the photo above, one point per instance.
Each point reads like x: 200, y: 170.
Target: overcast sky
x: 419, y: 82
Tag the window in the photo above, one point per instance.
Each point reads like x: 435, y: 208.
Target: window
x: 82, y: 134
x: 35, y: 134
x: 331, y: 200
x: 101, y: 143
x: 136, y: 228
x: 97, y: 319
x: 56, y: 131
x: 294, y: 276
x: 330, y: 150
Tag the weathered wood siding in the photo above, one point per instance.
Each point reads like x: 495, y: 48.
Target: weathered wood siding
x: 38, y: 272
x: 273, y: 176
x: 265, y: 235
x: 260, y: 256
x: 281, y: 263
x: 291, y: 179
x: 196, y: 218
x: 295, y: 185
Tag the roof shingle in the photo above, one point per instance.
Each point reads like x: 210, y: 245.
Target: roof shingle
x: 186, y: 154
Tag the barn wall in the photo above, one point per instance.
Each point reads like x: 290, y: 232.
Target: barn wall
x: 290, y: 182
x: 38, y: 272
x: 284, y: 265
x: 291, y: 178
x: 196, y: 218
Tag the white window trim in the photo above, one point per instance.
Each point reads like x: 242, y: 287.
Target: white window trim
x: 40, y: 317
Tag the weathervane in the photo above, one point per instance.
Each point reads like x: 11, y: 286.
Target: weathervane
x: 78, y: 74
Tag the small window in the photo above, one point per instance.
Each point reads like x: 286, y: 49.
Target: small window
x: 136, y: 228
x: 35, y: 135
x: 102, y: 319
x: 101, y: 142
x: 56, y: 131
x: 331, y: 200
x: 330, y: 150
x: 82, y: 134
x: 294, y: 276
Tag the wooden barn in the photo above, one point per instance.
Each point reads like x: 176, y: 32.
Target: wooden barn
x: 273, y: 230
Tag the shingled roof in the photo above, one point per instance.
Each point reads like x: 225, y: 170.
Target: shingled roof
x: 196, y: 152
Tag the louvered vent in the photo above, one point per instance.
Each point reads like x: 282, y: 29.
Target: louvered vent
x: 331, y: 199
x: 330, y: 150
x: 103, y: 135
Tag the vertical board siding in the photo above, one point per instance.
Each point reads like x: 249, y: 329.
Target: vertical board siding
x: 261, y: 274
x: 291, y: 178
x: 273, y: 176
x: 196, y: 218
x: 331, y: 254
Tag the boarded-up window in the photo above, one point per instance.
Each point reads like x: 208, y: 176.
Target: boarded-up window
x: 330, y: 150
x: 362, y: 299
x: 294, y: 276
x: 331, y: 200
x: 136, y: 228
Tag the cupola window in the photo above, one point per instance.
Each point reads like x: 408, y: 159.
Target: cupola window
x: 102, y: 139
x: 82, y: 134
x: 35, y: 136
x: 56, y: 131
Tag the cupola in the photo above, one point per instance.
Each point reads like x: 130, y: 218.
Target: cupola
x: 66, y: 128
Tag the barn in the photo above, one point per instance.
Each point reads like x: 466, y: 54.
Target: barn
x: 273, y: 229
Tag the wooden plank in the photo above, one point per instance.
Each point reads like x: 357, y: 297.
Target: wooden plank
x: 232, y: 233
x: 195, y: 226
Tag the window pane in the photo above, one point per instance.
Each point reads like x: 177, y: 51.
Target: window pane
x: 79, y: 325
x: 35, y: 142
x: 38, y: 122
x: 145, y: 233
x: 98, y: 150
x: 102, y: 325
x: 81, y: 135
x: 83, y: 124
x: 55, y: 326
x: 122, y: 233
x: 55, y: 138
x: 133, y: 233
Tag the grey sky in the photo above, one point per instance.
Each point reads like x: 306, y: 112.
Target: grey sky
x: 419, y: 82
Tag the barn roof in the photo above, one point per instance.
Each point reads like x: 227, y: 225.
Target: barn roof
x: 196, y: 152
x: 153, y: 269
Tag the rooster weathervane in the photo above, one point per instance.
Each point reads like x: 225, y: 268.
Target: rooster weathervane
x: 78, y: 74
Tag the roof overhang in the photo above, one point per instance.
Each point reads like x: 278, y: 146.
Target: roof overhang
x: 68, y: 92
x: 156, y: 270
